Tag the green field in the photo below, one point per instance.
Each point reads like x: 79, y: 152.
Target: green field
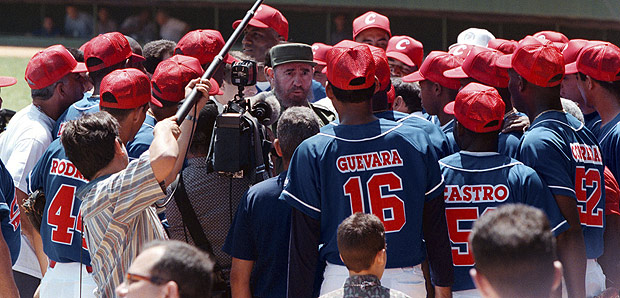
x: 17, y: 96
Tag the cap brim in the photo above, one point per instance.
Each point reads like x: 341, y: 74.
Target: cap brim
x: 156, y: 102
x: 215, y: 88
x: 80, y: 67
x: 571, y: 68
x: 414, y: 77
x: 504, y: 61
x: 401, y: 57
x: 253, y: 22
x: 7, y: 81
x: 449, y: 108
x: 455, y: 73
x: 373, y: 25
x: 311, y: 62
x: 137, y: 58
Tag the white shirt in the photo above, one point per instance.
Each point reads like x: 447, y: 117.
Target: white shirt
x: 26, y: 138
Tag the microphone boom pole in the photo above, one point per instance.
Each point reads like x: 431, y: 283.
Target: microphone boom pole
x: 191, y: 99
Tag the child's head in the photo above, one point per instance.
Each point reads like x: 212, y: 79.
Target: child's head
x: 361, y: 243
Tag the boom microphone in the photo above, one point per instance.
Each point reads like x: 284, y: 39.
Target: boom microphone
x: 265, y: 107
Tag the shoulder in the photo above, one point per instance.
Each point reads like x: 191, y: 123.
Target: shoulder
x: 334, y: 294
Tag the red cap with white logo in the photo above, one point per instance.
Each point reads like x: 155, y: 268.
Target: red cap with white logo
x: 406, y: 50
x: 371, y: 19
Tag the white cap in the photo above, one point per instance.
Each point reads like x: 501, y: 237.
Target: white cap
x: 475, y: 36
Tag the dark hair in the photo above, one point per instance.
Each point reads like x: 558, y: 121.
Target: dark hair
x: 89, y: 142
x: 353, y: 96
x: 98, y: 75
x: 189, y: 267
x: 77, y: 54
x: 513, y: 246
x: 294, y: 126
x: 410, y: 92
x: 46, y: 92
x: 611, y: 87
x: 360, y: 237
x: 154, y: 51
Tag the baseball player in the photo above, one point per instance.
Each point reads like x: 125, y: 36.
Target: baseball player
x: 103, y: 54
x: 479, y: 179
x: 362, y: 164
x: 479, y: 66
x: 372, y: 28
x: 405, y: 55
x: 566, y: 156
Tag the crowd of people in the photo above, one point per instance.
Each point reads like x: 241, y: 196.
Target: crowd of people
x: 486, y: 170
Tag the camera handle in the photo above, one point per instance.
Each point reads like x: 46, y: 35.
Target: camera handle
x: 191, y: 99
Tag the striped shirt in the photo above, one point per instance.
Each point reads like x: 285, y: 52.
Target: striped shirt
x: 119, y: 219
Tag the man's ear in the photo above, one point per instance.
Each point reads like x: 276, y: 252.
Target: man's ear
x: 377, y: 85
x: 171, y: 289
x: 589, y: 83
x: 557, y: 275
x: 481, y: 282
x: 328, y: 91
x: 269, y: 73
x: 437, y: 89
x: 521, y: 83
x: 397, y: 102
x: 276, y: 145
x: 381, y: 257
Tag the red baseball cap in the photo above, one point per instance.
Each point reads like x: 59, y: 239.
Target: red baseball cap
x: 268, y: 17
x: 7, y: 81
x: 406, y: 50
x: 319, y: 51
x: 203, y: 44
x: 600, y: 60
x: 558, y: 39
x: 371, y: 19
x: 50, y: 65
x: 571, y: 52
x: 460, y: 50
x: 536, y: 60
x: 433, y: 67
x: 503, y: 45
x: 480, y: 65
x: 112, y: 48
x: 351, y: 68
x: 125, y: 89
x: 478, y: 108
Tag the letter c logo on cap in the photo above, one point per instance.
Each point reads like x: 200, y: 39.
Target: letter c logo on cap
x: 314, y: 49
x: 370, y: 18
x: 401, y: 44
x: 459, y: 50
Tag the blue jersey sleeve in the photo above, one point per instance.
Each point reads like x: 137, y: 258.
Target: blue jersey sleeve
x: 537, y: 194
x: 239, y: 242
x: 302, y: 187
x: 544, y: 154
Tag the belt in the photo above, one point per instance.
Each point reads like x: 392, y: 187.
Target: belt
x: 89, y: 269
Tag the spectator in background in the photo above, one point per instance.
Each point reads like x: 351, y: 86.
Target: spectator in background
x: 361, y: 243
x: 104, y: 23
x: 140, y: 26
x: 78, y: 24
x: 48, y: 28
x: 515, y: 253
x: 258, y: 239
x: 171, y: 269
x: 170, y: 28
x: 340, y: 32
x: 157, y: 51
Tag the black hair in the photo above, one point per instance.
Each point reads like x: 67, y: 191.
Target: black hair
x: 410, y: 92
x: 353, y: 96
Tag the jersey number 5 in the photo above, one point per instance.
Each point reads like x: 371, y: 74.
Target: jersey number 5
x: 460, y: 236
x: 389, y: 208
x: 60, y: 218
x: 591, y: 216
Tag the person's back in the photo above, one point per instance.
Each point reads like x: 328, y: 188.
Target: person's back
x: 361, y: 242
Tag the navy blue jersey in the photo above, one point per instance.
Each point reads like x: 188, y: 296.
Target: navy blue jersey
x: 87, y: 105
x: 593, y: 122
x: 260, y: 233
x: 61, y: 226
x: 9, y: 213
x: 609, y: 138
x: 437, y: 137
x: 508, y: 143
x: 376, y: 168
x: 479, y: 182
x: 567, y: 157
x: 143, y: 139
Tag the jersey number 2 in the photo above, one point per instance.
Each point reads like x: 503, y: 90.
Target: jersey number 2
x: 60, y: 218
x: 389, y: 208
x: 591, y: 216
